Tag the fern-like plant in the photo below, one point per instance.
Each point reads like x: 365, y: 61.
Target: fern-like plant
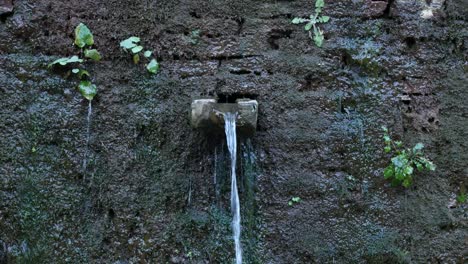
x: 312, y: 22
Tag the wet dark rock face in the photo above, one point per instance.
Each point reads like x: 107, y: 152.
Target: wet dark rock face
x: 150, y: 194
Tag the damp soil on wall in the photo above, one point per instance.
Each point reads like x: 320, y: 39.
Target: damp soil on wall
x: 156, y: 191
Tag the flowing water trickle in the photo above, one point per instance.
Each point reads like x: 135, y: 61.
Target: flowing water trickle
x: 88, y: 127
x: 230, y: 129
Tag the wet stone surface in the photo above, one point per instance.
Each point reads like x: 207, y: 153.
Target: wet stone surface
x: 157, y: 191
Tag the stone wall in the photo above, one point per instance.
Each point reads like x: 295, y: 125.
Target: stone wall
x: 149, y: 193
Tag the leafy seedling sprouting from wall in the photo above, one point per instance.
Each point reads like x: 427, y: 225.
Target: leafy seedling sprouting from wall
x: 401, y: 169
x: 312, y: 21
x: 84, y: 40
x: 132, y: 45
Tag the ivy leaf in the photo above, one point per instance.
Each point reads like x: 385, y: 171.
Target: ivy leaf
x: 308, y: 26
x: 87, y: 89
x: 153, y: 66
x: 83, y: 36
x: 325, y: 19
x: 130, y: 42
x: 76, y: 71
x: 137, y: 49
x: 147, y: 54
x: 319, y: 3
x: 93, y: 54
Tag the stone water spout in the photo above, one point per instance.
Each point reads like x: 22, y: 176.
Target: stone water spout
x: 207, y: 114
x: 234, y: 118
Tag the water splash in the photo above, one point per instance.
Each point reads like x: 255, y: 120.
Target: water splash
x: 88, y: 135
x: 230, y: 129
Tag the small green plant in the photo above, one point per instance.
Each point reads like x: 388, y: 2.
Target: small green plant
x: 132, y: 45
x: 312, y: 22
x: 294, y: 200
x: 84, y: 40
x: 195, y: 36
x: 401, y: 169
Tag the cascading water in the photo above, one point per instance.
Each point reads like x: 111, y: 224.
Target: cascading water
x: 230, y: 129
x: 88, y: 127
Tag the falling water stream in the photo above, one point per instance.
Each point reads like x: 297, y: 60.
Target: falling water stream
x: 230, y: 129
x: 88, y: 126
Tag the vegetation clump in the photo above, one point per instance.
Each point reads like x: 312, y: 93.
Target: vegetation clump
x: 132, y: 45
x: 84, y: 40
x: 401, y: 169
x: 312, y: 22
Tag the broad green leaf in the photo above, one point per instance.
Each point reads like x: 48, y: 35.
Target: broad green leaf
x: 308, y: 26
x: 388, y: 172
x: 153, y: 66
x: 430, y: 166
x: 325, y: 19
x: 147, y: 54
x: 319, y: 3
x: 65, y: 61
x: 399, y: 175
x: 298, y: 20
x: 83, y: 36
x: 387, y: 149
x: 130, y: 42
x: 136, y: 58
x: 408, y: 170
x: 93, y: 54
x: 318, y: 37
x: 87, y: 89
x: 419, y: 166
x: 418, y: 147
x: 407, y: 182
x: 137, y: 49
x: 398, y: 161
